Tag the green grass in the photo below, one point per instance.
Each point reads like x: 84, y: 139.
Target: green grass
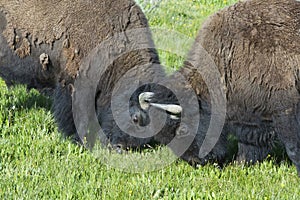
x: 35, y: 163
x: 183, y: 16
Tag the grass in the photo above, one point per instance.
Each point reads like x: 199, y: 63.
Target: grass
x: 35, y: 163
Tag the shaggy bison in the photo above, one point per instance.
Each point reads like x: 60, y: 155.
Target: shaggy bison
x: 43, y: 43
x: 255, y: 46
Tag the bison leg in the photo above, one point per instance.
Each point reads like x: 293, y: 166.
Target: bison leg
x: 293, y: 151
x: 288, y: 130
x: 254, y: 143
x: 62, y: 109
x: 251, y: 154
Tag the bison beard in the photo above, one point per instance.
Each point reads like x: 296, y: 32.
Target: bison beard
x: 42, y: 44
x: 255, y: 45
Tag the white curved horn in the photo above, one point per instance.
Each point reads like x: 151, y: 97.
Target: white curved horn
x: 144, y: 99
x: 171, y: 108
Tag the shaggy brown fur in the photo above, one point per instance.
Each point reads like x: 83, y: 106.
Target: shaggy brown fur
x: 255, y: 45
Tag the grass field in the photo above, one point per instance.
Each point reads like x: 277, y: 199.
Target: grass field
x: 35, y: 163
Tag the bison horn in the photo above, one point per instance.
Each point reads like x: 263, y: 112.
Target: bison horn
x: 171, y: 108
x: 145, y: 98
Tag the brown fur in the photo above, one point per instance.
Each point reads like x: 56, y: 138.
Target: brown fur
x: 255, y: 45
x: 44, y: 42
x: 78, y: 23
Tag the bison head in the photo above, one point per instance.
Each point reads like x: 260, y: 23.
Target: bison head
x: 178, y: 132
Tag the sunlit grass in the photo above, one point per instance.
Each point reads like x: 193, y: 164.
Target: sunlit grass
x: 183, y: 16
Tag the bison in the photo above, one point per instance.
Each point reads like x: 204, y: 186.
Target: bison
x: 255, y: 46
x: 43, y: 44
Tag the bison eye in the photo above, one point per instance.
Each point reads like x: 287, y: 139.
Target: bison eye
x: 139, y: 118
x: 182, y: 131
x: 135, y: 118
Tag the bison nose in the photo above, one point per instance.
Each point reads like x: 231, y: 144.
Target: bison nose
x: 118, y: 148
